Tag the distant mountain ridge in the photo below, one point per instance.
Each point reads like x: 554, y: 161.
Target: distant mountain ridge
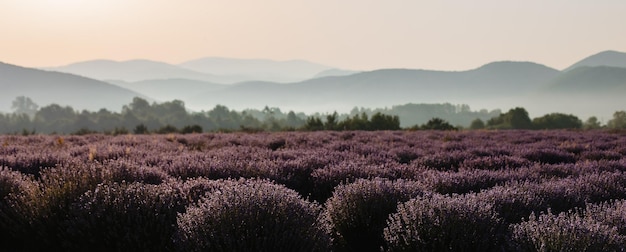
x: 46, y: 87
x: 257, y: 69
x: 591, y: 86
x: 586, y: 79
x: 211, y: 69
x: 386, y: 87
x: 132, y: 71
x: 605, y: 58
x: 170, y: 89
x: 334, y: 72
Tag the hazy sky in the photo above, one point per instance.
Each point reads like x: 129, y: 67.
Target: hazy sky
x: 354, y: 34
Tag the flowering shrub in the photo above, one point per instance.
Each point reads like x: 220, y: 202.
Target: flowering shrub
x: 548, y: 156
x: 32, y: 162
x: 443, y: 223
x: 45, y: 179
x: 14, y: 186
x: 601, y: 155
x: 49, y: 206
x: 465, y: 181
x: 405, y: 155
x: 609, y: 213
x: 518, y: 200
x: 566, y: 232
x: 495, y: 163
x: 123, y: 217
x: 444, y: 161
x: 327, y: 179
x: 253, y: 215
x: 358, y: 210
x: 197, y: 188
x: 11, y: 182
x: 124, y: 171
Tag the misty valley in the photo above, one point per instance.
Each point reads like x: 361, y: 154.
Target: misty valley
x: 591, y: 87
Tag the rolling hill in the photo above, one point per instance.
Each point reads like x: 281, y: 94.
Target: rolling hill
x: 606, y: 58
x: 586, y: 79
x: 592, y: 86
x: 46, y: 87
x: 334, y: 72
x: 583, y: 91
x: 257, y: 69
x: 385, y: 87
x: 211, y: 69
x: 170, y: 89
x: 134, y: 70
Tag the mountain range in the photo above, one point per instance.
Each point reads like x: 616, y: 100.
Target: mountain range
x: 592, y: 86
x: 606, y: 58
x: 257, y: 69
x: 210, y: 69
x: 45, y: 87
x: 382, y: 88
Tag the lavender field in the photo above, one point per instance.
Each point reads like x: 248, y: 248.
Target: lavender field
x: 315, y: 191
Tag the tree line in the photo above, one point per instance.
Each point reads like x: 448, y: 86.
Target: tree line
x: 517, y: 118
x: 142, y: 117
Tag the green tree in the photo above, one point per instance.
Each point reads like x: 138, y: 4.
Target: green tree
x: 516, y: 118
x: 171, y: 113
x: 141, y: 129
x: 14, y: 123
x: 557, y: 121
x: 106, y: 120
x: 496, y: 122
x: 592, y: 123
x: 331, y: 121
x: 313, y: 123
x: 356, y: 123
x: 223, y: 118
x: 139, y: 107
x: 167, y: 129
x: 618, y: 121
x: 24, y: 105
x: 190, y: 129
x: 437, y: 124
x: 293, y: 121
x: 477, y: 124
x: 54, y: 118
x: 380, y: 121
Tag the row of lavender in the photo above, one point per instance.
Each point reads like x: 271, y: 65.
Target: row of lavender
x: 344, y: 191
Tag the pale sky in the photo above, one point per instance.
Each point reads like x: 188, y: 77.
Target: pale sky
x: 351, y: 34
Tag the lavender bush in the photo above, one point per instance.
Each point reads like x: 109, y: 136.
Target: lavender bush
x: 48, y: 207
x: 566, y: 232
x: 15, y: 188
x: 612, y: 213
x: 444, y: 223
x: 123, y: 217
x: 45, y: 178
x: 358, y: 211
x: 253, y: 215
x: 516, y: 201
